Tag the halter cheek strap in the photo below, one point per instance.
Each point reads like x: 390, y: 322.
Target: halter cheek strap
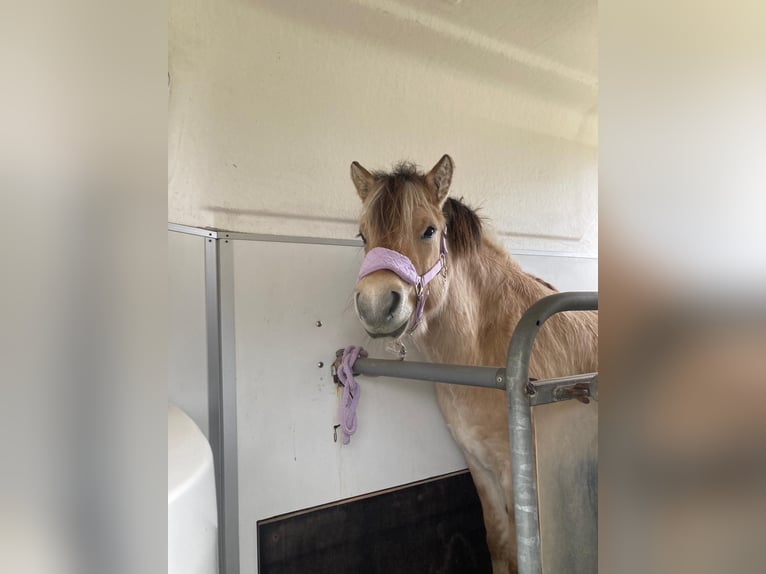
x: 380, y: 258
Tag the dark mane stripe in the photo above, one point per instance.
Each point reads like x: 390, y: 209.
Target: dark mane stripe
x: 463, y: 227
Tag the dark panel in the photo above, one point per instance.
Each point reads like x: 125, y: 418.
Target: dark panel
x: 433, y: 527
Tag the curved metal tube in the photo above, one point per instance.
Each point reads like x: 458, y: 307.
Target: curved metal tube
x: 523, y: 463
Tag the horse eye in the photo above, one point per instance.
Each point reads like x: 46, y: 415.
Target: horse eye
x: 360, y: 236
x: 429, y: 232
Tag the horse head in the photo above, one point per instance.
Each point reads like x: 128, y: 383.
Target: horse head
x: 404, y: 228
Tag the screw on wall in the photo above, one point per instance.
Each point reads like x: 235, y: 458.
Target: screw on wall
x: 319, y: 323
x: 320, y: 364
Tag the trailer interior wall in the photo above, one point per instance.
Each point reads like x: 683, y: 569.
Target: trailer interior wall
x: 270, y: 101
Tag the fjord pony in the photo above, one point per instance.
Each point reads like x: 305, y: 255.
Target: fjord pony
x: 469, y: 315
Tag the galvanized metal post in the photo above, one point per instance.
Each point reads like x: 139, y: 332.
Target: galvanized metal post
x: 523, y: 471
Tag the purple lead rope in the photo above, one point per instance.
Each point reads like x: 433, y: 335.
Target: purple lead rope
x: 351, y: 391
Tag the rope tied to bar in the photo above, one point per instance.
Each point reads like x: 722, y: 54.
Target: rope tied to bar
x: 351, y: 391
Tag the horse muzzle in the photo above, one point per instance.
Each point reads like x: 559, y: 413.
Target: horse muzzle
x: 382, y: 305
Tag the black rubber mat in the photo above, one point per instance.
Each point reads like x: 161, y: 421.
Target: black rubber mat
x: 432, y: 527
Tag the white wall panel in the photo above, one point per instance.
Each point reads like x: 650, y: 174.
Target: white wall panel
x: 287, y: 406
x: 564, y: 273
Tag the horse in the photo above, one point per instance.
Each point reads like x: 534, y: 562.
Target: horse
x: 465, y: 314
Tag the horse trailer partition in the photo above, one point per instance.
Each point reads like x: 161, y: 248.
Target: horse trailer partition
x: 522, y: 394
x: 274, y: 307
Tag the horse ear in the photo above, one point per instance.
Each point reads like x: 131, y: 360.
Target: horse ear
x: 440, y: 177
x: 362, y: 179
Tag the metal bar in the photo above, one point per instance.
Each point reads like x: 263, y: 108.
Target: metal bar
x: 546, y: 391
x: 222, y: 406
x: 232, y: 235
x: 201, y: 231
x: 229, y: 393
x: 224, y: 234
x: 562, y: 389
x: 291, y: 239
x: 214, y: 398
x: 525, y: 502
x: 491, y: 377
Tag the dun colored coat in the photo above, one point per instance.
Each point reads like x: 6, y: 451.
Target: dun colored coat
x: 469, y: 317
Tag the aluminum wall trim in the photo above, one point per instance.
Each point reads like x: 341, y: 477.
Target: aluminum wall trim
x: 290, y: 239
x: 215, y: 435
x: 179, y: 228
x: 229, y: 394
x: 240, y: 236
x: 270, y: 238
x: 222, y: 399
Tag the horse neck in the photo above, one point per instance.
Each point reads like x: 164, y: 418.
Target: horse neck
x: 487, y: 293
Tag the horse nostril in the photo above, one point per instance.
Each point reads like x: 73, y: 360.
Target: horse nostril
x: 396, y: 298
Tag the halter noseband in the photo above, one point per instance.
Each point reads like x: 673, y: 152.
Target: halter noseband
x: 380, y: 258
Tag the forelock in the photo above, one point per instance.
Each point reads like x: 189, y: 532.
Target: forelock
x: 394, y: 198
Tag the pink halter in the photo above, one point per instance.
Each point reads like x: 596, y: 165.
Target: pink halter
x: 380, y: 258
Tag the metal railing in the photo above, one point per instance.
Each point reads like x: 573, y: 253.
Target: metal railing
x: 522, y: 394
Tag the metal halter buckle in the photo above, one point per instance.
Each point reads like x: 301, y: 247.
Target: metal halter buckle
x: 419, y: 288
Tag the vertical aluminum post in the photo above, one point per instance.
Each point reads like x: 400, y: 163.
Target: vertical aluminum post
x: 523, y: 463
x: 222, y: 395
